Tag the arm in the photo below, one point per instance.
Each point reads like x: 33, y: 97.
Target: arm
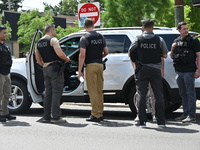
x: 105, y: 51
x: 162, y: 67
x: 38, y: 57
x: 56, y: 45
x: 172, y: 49
x: 61, y: 54
x: 197, y: 73
x: 81, y: 62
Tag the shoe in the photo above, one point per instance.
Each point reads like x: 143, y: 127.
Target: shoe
x: 189, y: 119
x: 136, y: 119
x: 142, y: 124
x: 46, y: 121
x: 60, y: 120
x: 10, y: 117
x: 93, y: 119
x: 154, y: 118
x: 182, y: 117
x: 101, y: 119
x: 2, y: 119
x: 162, y: 126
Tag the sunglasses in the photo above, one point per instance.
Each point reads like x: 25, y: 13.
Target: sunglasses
x: 2, y: 27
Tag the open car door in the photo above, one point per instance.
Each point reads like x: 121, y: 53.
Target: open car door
x: 72, y: 86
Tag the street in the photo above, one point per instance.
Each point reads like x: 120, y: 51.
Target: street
x: 117, y: 132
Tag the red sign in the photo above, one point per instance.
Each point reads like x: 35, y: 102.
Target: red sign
x: 89, y: 10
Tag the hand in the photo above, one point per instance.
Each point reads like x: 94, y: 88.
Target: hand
x: 196, y: 74
x: 80, y: 74
x: 174, y: 46
x: 68, y: 59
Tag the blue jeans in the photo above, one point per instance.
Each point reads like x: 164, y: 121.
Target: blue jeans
x: 186, y: 84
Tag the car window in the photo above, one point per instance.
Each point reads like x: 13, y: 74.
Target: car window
x: 70, y: 46
x: 169, y: 39
x: 117, y: 43
x: 71, y: 49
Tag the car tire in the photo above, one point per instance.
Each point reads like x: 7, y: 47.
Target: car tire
x: 19, y: 101
x: 131, y: 102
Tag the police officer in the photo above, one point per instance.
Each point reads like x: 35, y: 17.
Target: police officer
x: 5, y: 82
x: 48, y: 54
x: 146, y: 52
x: 185, y: 51
x: 92, y: 49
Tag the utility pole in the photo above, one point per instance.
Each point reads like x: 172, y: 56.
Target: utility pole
x: 9, y: 5
x: 179, y: 11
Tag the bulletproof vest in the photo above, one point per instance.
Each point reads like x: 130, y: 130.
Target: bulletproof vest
x: 148, y: 50
x: 5, y: 59
x: 94, y: 49
x: 184, y: 56
x: 46, y: 50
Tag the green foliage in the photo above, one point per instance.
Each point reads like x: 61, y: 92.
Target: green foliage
x: 192, y: 16
x: 61, y: 32
x: 28, y: 23
x: 7, y: 25
x: 130, y: 13
x: 15, y: 4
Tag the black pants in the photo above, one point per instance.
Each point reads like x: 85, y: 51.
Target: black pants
x: 143, y: 77
x: 53, y: 91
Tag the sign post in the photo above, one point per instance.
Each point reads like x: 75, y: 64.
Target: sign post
x: 89, y: 10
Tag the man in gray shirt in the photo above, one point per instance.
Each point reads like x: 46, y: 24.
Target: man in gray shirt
x: 146, y: 53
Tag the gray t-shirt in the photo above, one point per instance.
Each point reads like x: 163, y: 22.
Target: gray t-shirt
x: 148, y: 35
x: 84, y: 42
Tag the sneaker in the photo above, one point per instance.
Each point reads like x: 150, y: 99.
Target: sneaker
x: 154, y: 118
x: 162, y: 126
x: 46, y: 121
x: 93, y: 119
x: 60, y: 120
x: 136, y: 119
x: 182, y: 117
x: 142, y: 124
x: 10, y: 117
x: 189, y: 119
x: 2, y: 119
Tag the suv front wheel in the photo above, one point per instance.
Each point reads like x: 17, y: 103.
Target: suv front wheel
x: 19, y: 101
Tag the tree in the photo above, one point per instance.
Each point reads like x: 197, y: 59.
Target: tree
x: 7, y: 25
x: 192, y: 16
x: 29, y: 22
x: 15, y: 4
x: 130, y: 13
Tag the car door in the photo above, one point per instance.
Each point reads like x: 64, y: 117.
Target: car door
x: 35, y: 79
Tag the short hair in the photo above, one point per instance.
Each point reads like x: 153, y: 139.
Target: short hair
x: 88, y: 23
x: 49, y: 27
x: 148, y: 23
x: 2, y: 28
x: 180, y: 24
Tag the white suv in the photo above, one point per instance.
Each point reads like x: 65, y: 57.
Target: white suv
x: 119, y: 83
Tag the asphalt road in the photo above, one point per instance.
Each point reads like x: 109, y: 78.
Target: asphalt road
x: 117, y: 132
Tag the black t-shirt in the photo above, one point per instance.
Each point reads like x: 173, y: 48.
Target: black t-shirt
x: 186, y: 49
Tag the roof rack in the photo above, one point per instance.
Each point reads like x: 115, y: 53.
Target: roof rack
x: 130, y: 28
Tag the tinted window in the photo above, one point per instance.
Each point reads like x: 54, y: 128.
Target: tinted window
x: 117, y: 43
x: 169, y: 39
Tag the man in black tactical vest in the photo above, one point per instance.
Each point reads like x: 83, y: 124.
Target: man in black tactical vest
x: 48, y: 54
x: 184, y: 52
x: 92, y: 49
x: 5, y: 82
x: 146, y: 52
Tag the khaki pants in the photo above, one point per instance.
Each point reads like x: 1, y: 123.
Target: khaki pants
x: 5, y: 89
x: 94, y: 79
